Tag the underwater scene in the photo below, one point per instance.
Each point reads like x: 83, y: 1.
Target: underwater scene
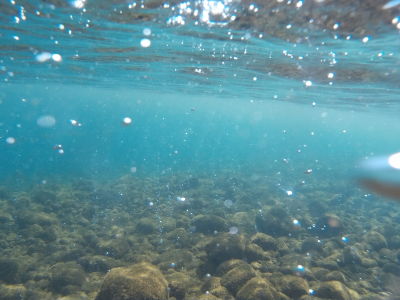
x: 199, y: 150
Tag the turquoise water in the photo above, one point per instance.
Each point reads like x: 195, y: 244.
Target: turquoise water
x: 112, y: 107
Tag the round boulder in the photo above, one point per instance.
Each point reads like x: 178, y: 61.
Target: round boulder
x: 141, y: 281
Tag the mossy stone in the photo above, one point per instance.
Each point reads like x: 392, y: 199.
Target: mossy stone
x: 265, y: 241
x: 258, y: 288
x: 336, y: 290
x: 65, y: 276
x: 224, y: 247
x: 294, y: 286
x: 376, y: 240
x: 141, y: 281
x: 146, y: 226
x: 209, y: 224
x: 237, y: 277
x: 13, y: 292
x: 8, y: 270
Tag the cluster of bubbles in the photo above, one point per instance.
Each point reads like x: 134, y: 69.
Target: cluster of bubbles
x: 210, y: 12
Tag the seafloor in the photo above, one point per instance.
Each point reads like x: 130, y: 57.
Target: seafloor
x: 221, y: 236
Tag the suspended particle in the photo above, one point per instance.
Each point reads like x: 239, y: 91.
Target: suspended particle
x: 228, y: 203
x: 307, y: 83
x: 10, y: 140
x: 75, y: 123
x: 43, y: 57
x: 127, y: 121
x: 56, y: 57
x: 233, y: 230
x: 308, y: 171
x: 146, y: 31
x: 180, y: 199
x: 133, y: 169
x: 46, y: 121
x: 289, y: 193
x: 145, y: 43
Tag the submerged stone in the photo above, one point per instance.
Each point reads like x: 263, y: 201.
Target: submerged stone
x: 209, y: 224
x: 237, y: 277
x: 141, y: 281
x: 337, y: 291
x: 225, y: 247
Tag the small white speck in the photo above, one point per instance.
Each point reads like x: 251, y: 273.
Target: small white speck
x: 127, y: 121
x: 10, y: 140
x: 307, y: 83
x: 145, y: 43
x: 365, y: 39
x: 56, y: 57
x: 147, y: 32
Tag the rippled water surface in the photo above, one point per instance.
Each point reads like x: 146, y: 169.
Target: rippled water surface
x: 156, y: 132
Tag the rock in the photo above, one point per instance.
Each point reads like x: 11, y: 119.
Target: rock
x: 228, y: 265
x: 146, y: 226
x: 8, y: 270
x: 66, y: 277
x: 328, y: 225
x: 224, y: 247
x: 311, y: 244
x: 376, y: 240
x: 392, y: 268
x: 141, y: 281
x: 209, y: 224
x: 335, y: 276
x: 275, y: 222
x: 12, y: 292
x: 178, y: 284
x: 97, y: 263
x: 337, y: 291
x: 265, y: 241
x: 255, y: 252
x: 237, y: 277
x: 294, y: 286
x: 258, y: 288
x: 351, y: 255
x: 222, y: 292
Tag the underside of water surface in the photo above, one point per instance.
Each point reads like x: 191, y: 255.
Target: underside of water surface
x: 199, y: 150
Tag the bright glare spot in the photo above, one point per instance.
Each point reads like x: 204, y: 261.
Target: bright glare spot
x: 61, y: 26
x: 395, y: 20
x: 394, y: 160
x: 307, y: 83
x: 289, y: 193
x: 331, y: 75
x: 296, y: 222
x: 176, y: 20
x: 78, y: 3
x: 127, y: 121
x: 300, y: 268
x: 46, y: 121
x: 365, y: 39
x: 254, y: 78
x: 43, y: 57
x: 75, y: 123
x: 10, y: 140
x: 233, y: 230
x: 56, y: 57
x: 311, y: 291
x: 180, y: 199
x: 147, y: 32
x: 145, y: 43
x: 228, y: 203
x: 16, y: 37
x: 335, y: 26
x: 299, y: 4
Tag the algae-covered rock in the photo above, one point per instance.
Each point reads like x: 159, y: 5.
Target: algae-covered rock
x: 237, y: 277
x: 12, y: 292
x: 66, y: 277
x: 146, y: 226
x: 328, y: 225
x: 97, y: 263
x: 224, y: 247
x: 178, y: 284
x: 254, y: 252
x: 337, y: 291
x: 311, y: 244
x: 335, y: 276
x: 265, y: 241
x: 274, y: 221
x: 141, y: 281
x: 294, y: 286
x: 8, y: 270
x: 209, y: 224
x: 258, y: 288
x: 376, y: 240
